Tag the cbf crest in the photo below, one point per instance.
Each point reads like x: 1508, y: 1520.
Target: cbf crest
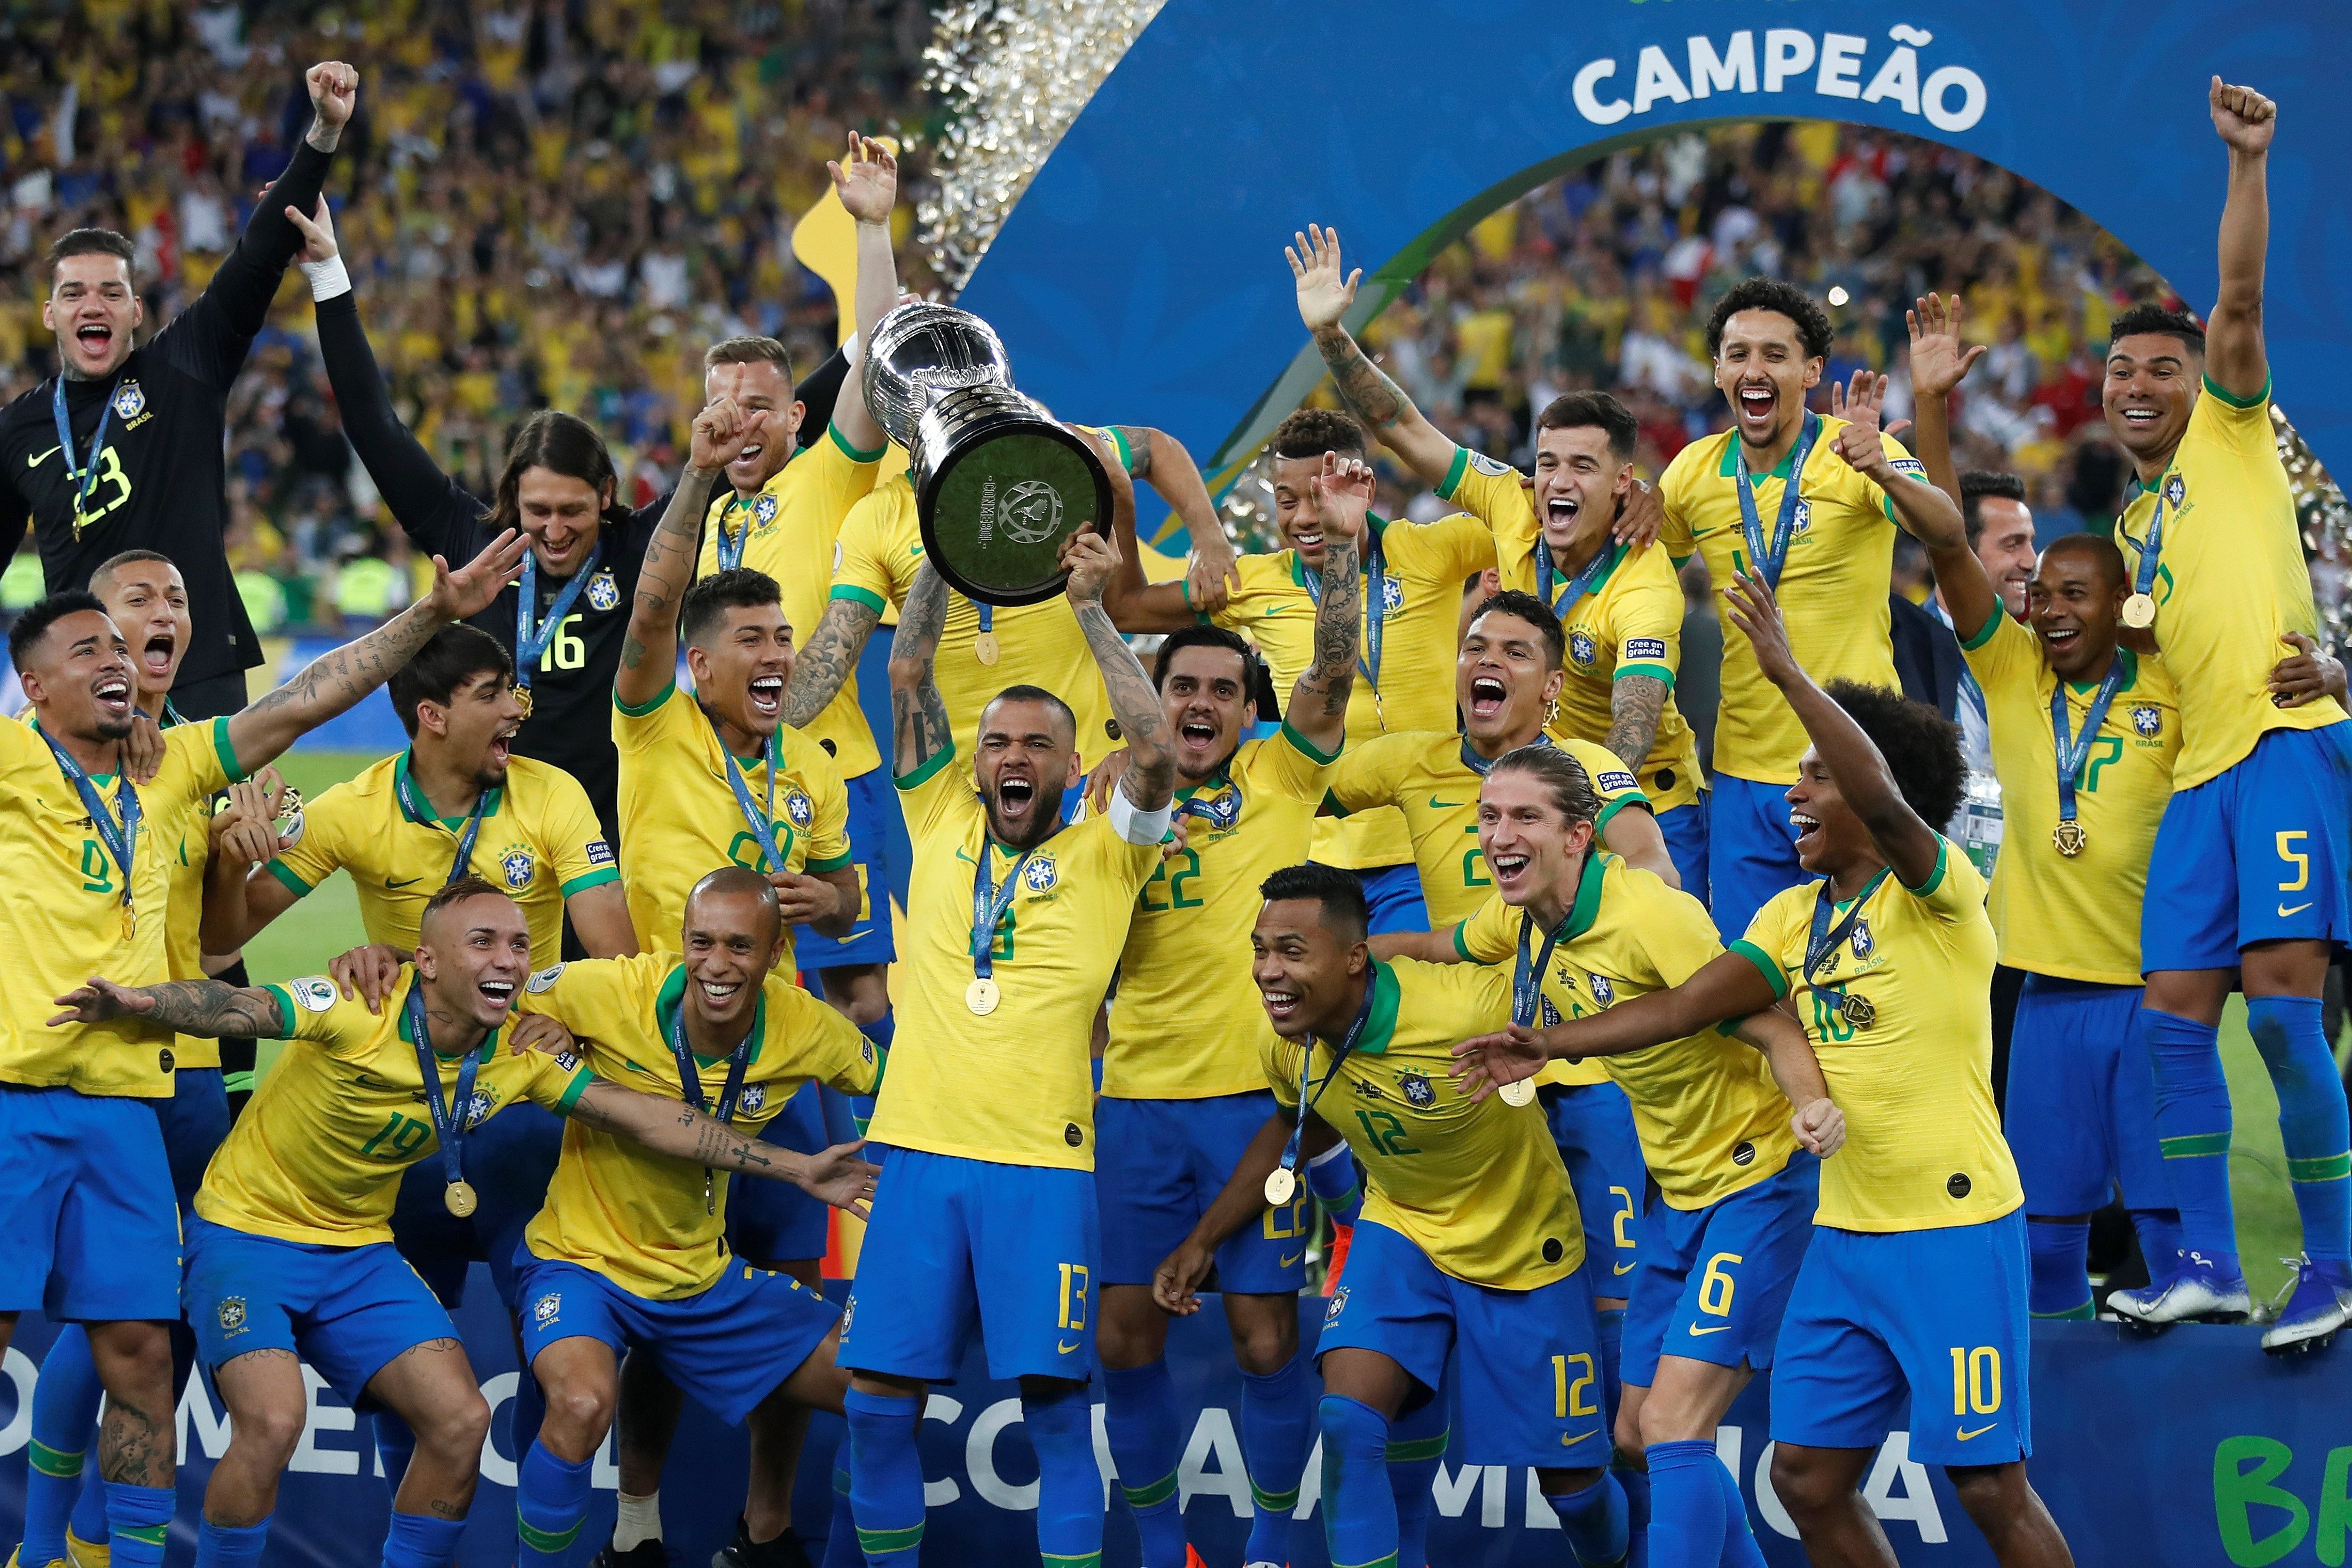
x: 1804, y: 519
x: 752, y: 1100
x: 1416, y: 1090
x: 232, y: 1314
x: 2147, y: 721
x: 603, y: 592
x: 130, y: 402
x: 1039, y: 875
x: 516, y: 865
x: 1391, y: 595
x: 2173, y: 488
x: 1581, y: 647
x: 799, y: 810
x: 1865, y: 944
x: 1602, y: 991
x: 764, y: 511
x: 478, y: 1109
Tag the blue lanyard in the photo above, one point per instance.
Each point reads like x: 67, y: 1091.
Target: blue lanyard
x: 451, y: 1129
x: 1578, y: 585
x: 1822, y: 940
x: 1220, y: 810
x: 987, y: 615
x: 1376, y: 606
x: 2144, y: 582
x: 85, y: 472
x: 121, y: 838
x: 730, y: 547
x: 989, y: 902
x: 764, y: 827
x: 420, y: 810
x: 1306, y: 1071
x: 690, y: 1082
x: 1526, y: 978
x: 1482, y: 766
x: 1768, y: 559
x: 529, y: 644
x: 2074, y: 752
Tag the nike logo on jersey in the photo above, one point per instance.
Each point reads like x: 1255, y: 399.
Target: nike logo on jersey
x: 36, y: 462
x: 2284, y: 911
x: 411, y: 882
x: 1696, y: 1330
x: 1437, y: 805
x: 1980, y: 1432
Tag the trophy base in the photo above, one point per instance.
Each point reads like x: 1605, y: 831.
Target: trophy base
x: 1007, y: 489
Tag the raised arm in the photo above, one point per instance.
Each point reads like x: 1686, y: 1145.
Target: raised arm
x: 649, y: 649
x: 1938, y: 365
x: 1908, y: 845
x: 335, y: 682
x: 835, y: 1176
x: 1325, y: 293
x: 1151, y: 779
x: 2235, y: 360
x: 1318, y: 709
x: 918, y: 714
x: 1161, y: 462
x: 827, y: 659
x: 1923, y: 509
x: 868, y: 186
x: 207, y: 1007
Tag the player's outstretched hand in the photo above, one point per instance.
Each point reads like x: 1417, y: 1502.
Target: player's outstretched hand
x: 1858, y: 404
x: 1754, y: 612
x: 721, y: 431
x: 1176, y: 1282
x: 1819, y: 1126
x: 1324, y: 291
x: 334, y: 92
x: 318, y: 232
x: 468, y: 590
x: 1090, y: 558
x: 1212, y: 573
x: 100, y: 1000
x: 2244, y: 118
x: 538, y: 1032
x: 370, y: 972
x: 2306, y: 675
x: 142, y: 749
x: 1343, y: 487
x: 1939, y: 364
x: 837, y: 1176
x: 803, y: 898
x: 867, y: 181
x: 1486, y: 1063
x: 1639, y: 520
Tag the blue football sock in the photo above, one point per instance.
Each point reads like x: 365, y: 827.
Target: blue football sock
x: 139, y: 1517
x: 2060, y: 1251
x: 88, y: 1521
x: 1610, y: 1339
x: 886, y: 1477
x: 1635, y: 1484
x: 1686, y: 1521
x: 1277, y: 1429
x: 416, y: 1540
x: 1145, y: 1429
x: 841, y: 1547
x: 231, y: 1546
x: 2311, y: 1121
x: 1360, y: 1519
x: 1417, y: 1442
x: 1740, y: 1548
x: 2192, y: 1131
x: 2159, y: 1240
x: 524, y: 1413
x: 395, y: 1445
x: 1594, y: 1519
x: 65, y: 1412
x: 1331, y: 1177
x: 550, y: 1504
x: 1070, y: 1483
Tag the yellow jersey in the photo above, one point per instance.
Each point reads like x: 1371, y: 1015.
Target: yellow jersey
x: 1423, y: 568
x: 1629, y: 621
x: 1832, y: 591
x: 185, y: 836
x: 1711, y: 1119
x: 539, y: 841
x: 2229, y: 578
x: 318, y: 1155
x: 1014, y: 1085
x: 1184, y: 1024
x: 880, y: 549
x: 637, y: 1217
x: 681, y: 821
x: 788, y: 530
x: 2076, y: 919
x: 1900, y: 1013
x: 1478, y: 1185
x: 61, y: 906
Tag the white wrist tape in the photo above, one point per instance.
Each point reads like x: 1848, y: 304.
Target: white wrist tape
x: 328, y: 277
x: 1134, y: 824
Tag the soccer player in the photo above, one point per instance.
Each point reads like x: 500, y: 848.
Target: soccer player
x: 291, y: 1252
x: 1590, y: 558
x: 1820, y: 542
x: 1183, y: 1091
x: 1414, y: 574
x: 2249, y: 873
x: 629, y: 1252
x: 122, y: 448
x: 987, y: 1206
x: 1469, y: 1250
x: 1912, y: 1288
x: 1739, y: 1173
x: 84, y: 890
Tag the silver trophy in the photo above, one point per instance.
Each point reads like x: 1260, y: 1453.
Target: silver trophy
x: 997, y: 485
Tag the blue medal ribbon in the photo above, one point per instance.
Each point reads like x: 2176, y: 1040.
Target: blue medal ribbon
x: 119, y: 836
x: 530, y: 644
x: 730, y: 547
x: 1225, y: 809
x: 85, y: 472
x: 1527, y: 977
x: 2073, y: 751
x: 450, y: 1127
x: 764, y: 827
x: 1376, y: 603
x: 1822, y: 940
x: 2151, y: 551
x: 1767, y: 558
x: 1308, y: 1103
x: 690, y: 1082
x: 989, y: 902
x: 420, y: 810
x: 1482, y: 766
x: 1578, y: 585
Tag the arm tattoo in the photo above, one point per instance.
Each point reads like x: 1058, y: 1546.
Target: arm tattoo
x: 1635, y: 704
x: 830, y: 654
x: 335, y: 681
x: 669, y: 1128
x: 210, y: 1008
x: 1138, y: 449
x: 1377, y: 400
x: 667, y: 570
x: 1150, y: 780
x: 1338, y: 625
x: 918, y: 714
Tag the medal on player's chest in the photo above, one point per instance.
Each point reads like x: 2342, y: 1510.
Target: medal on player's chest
x: 453, y: 1113
x: 981, y: 997
x: 461, y: 1199
x: 522, y: 697
x: 2074, y: 749
x: 1281, y: 1187
x: 1282, y: 1182
x: 1824, y: 942
x: 2139, y: 612
x: 1856, y: 1009
x: 1526, y: 997
x: 2068, y: 837
x: 990, y: 900
x: 985, y: 649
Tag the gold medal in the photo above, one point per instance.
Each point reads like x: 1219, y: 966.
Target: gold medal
x: 461, y: 1198
x: 1857, y: 1010
x: 130, y: 920
x: 984, y: 647
x: 981, y: 996
x: 1280, y: 1185
x: 1521, y: 1093
x: 2139, y: 612
x: 522, y: 698
x: 2070, y: 837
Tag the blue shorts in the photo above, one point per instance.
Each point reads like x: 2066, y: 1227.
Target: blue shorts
x: 347, y: 1311
x: 954, y: 1243
x: 729, y: 1347
x: 194, y: 1120
x: 1751, y: 851
x: 1714, y: 1281
x: 1593, y: 1125
x: 92, y: 1233
x: 1526, y: 1363
x: 2081, y: 1108
x: 1160, y: 1164
x: 1878, y: 1321
x: 509, y: 1160
x: 1684, y: 828
x: 873, y: 810
x: 2257, y: 853
x: 775, y: 1222
x: 1393, y: 894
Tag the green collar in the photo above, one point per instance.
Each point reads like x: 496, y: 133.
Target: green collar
x: 1729, y: 466
x: 673, y: 994
x: 1381, y: 1025
x: 1378, y: 525
x: 402, y: 773
x: 1215, y: 785
x: 399, y: 1005
x: 2130, y: 662
x: 1616, y: 558
x: 100, y: 780
x: 1587, y: 908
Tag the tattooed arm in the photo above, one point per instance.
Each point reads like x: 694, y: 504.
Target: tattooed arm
x: 830, y: 654
x: 336, y: 681
x: 206, y: 1008
x: 650, y: 650
x: 1150, y: 780
x: 835, y: 1176
x: 1325, y: 294
x: 1635, y: 704
x: 1160, y: 461
x: 1318, y: 703
x: 918, y: 714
